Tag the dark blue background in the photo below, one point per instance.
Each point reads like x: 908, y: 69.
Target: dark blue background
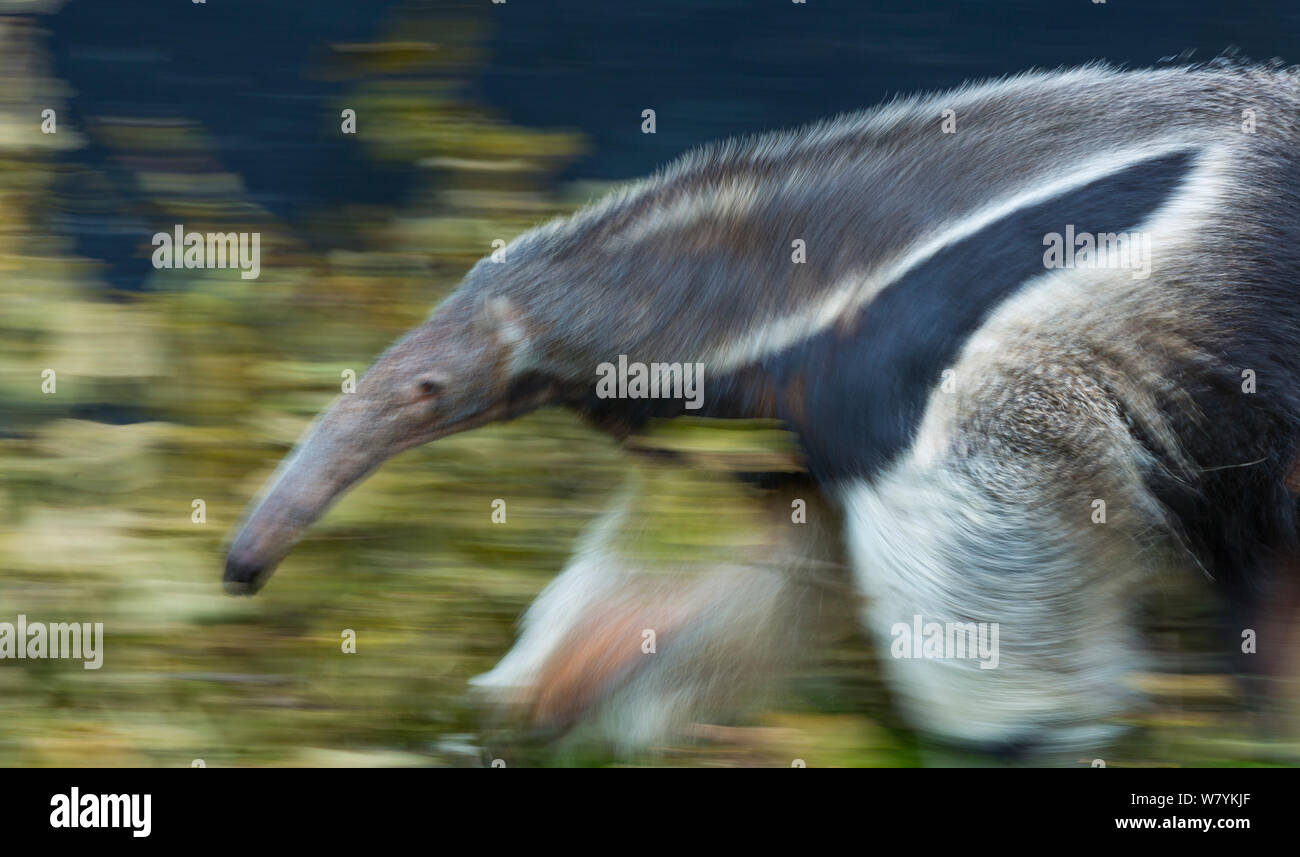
x: 247, y: 70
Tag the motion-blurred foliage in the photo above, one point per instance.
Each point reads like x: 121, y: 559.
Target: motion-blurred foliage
x: 194, y: 386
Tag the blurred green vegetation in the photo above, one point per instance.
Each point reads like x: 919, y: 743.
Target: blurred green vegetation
x: 219, y: 375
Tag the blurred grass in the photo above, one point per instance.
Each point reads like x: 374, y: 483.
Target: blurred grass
x: 194, y: 387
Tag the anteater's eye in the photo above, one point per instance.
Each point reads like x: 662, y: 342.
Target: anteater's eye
x: 430, y: 388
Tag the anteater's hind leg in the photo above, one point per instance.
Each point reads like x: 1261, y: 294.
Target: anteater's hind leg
x: 1260, y: 633
x: 1261, y: 624
x: 642, y: 648
x: 1279, y: 646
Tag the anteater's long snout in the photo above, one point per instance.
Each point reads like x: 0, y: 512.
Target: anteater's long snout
x: 267, y: 535
x: 443, y: 377
x: 244, y: 575
x: 331, y: 458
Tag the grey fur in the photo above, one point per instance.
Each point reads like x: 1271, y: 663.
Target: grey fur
x: 1084, y: 385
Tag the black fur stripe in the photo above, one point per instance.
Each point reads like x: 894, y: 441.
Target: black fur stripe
x: 862, y: 394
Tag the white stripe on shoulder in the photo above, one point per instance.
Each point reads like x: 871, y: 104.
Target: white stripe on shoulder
x: 855, y: 291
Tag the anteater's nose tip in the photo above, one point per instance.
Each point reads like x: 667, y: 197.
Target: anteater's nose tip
x: 243, y: 577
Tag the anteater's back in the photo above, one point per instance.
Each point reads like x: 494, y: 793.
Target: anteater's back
x: 1039, y: 336
x: 1037, y: 339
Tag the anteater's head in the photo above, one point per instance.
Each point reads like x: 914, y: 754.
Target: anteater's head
x: 458, y: 370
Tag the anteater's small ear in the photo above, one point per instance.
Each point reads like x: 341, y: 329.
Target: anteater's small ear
x: 498, y: 316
